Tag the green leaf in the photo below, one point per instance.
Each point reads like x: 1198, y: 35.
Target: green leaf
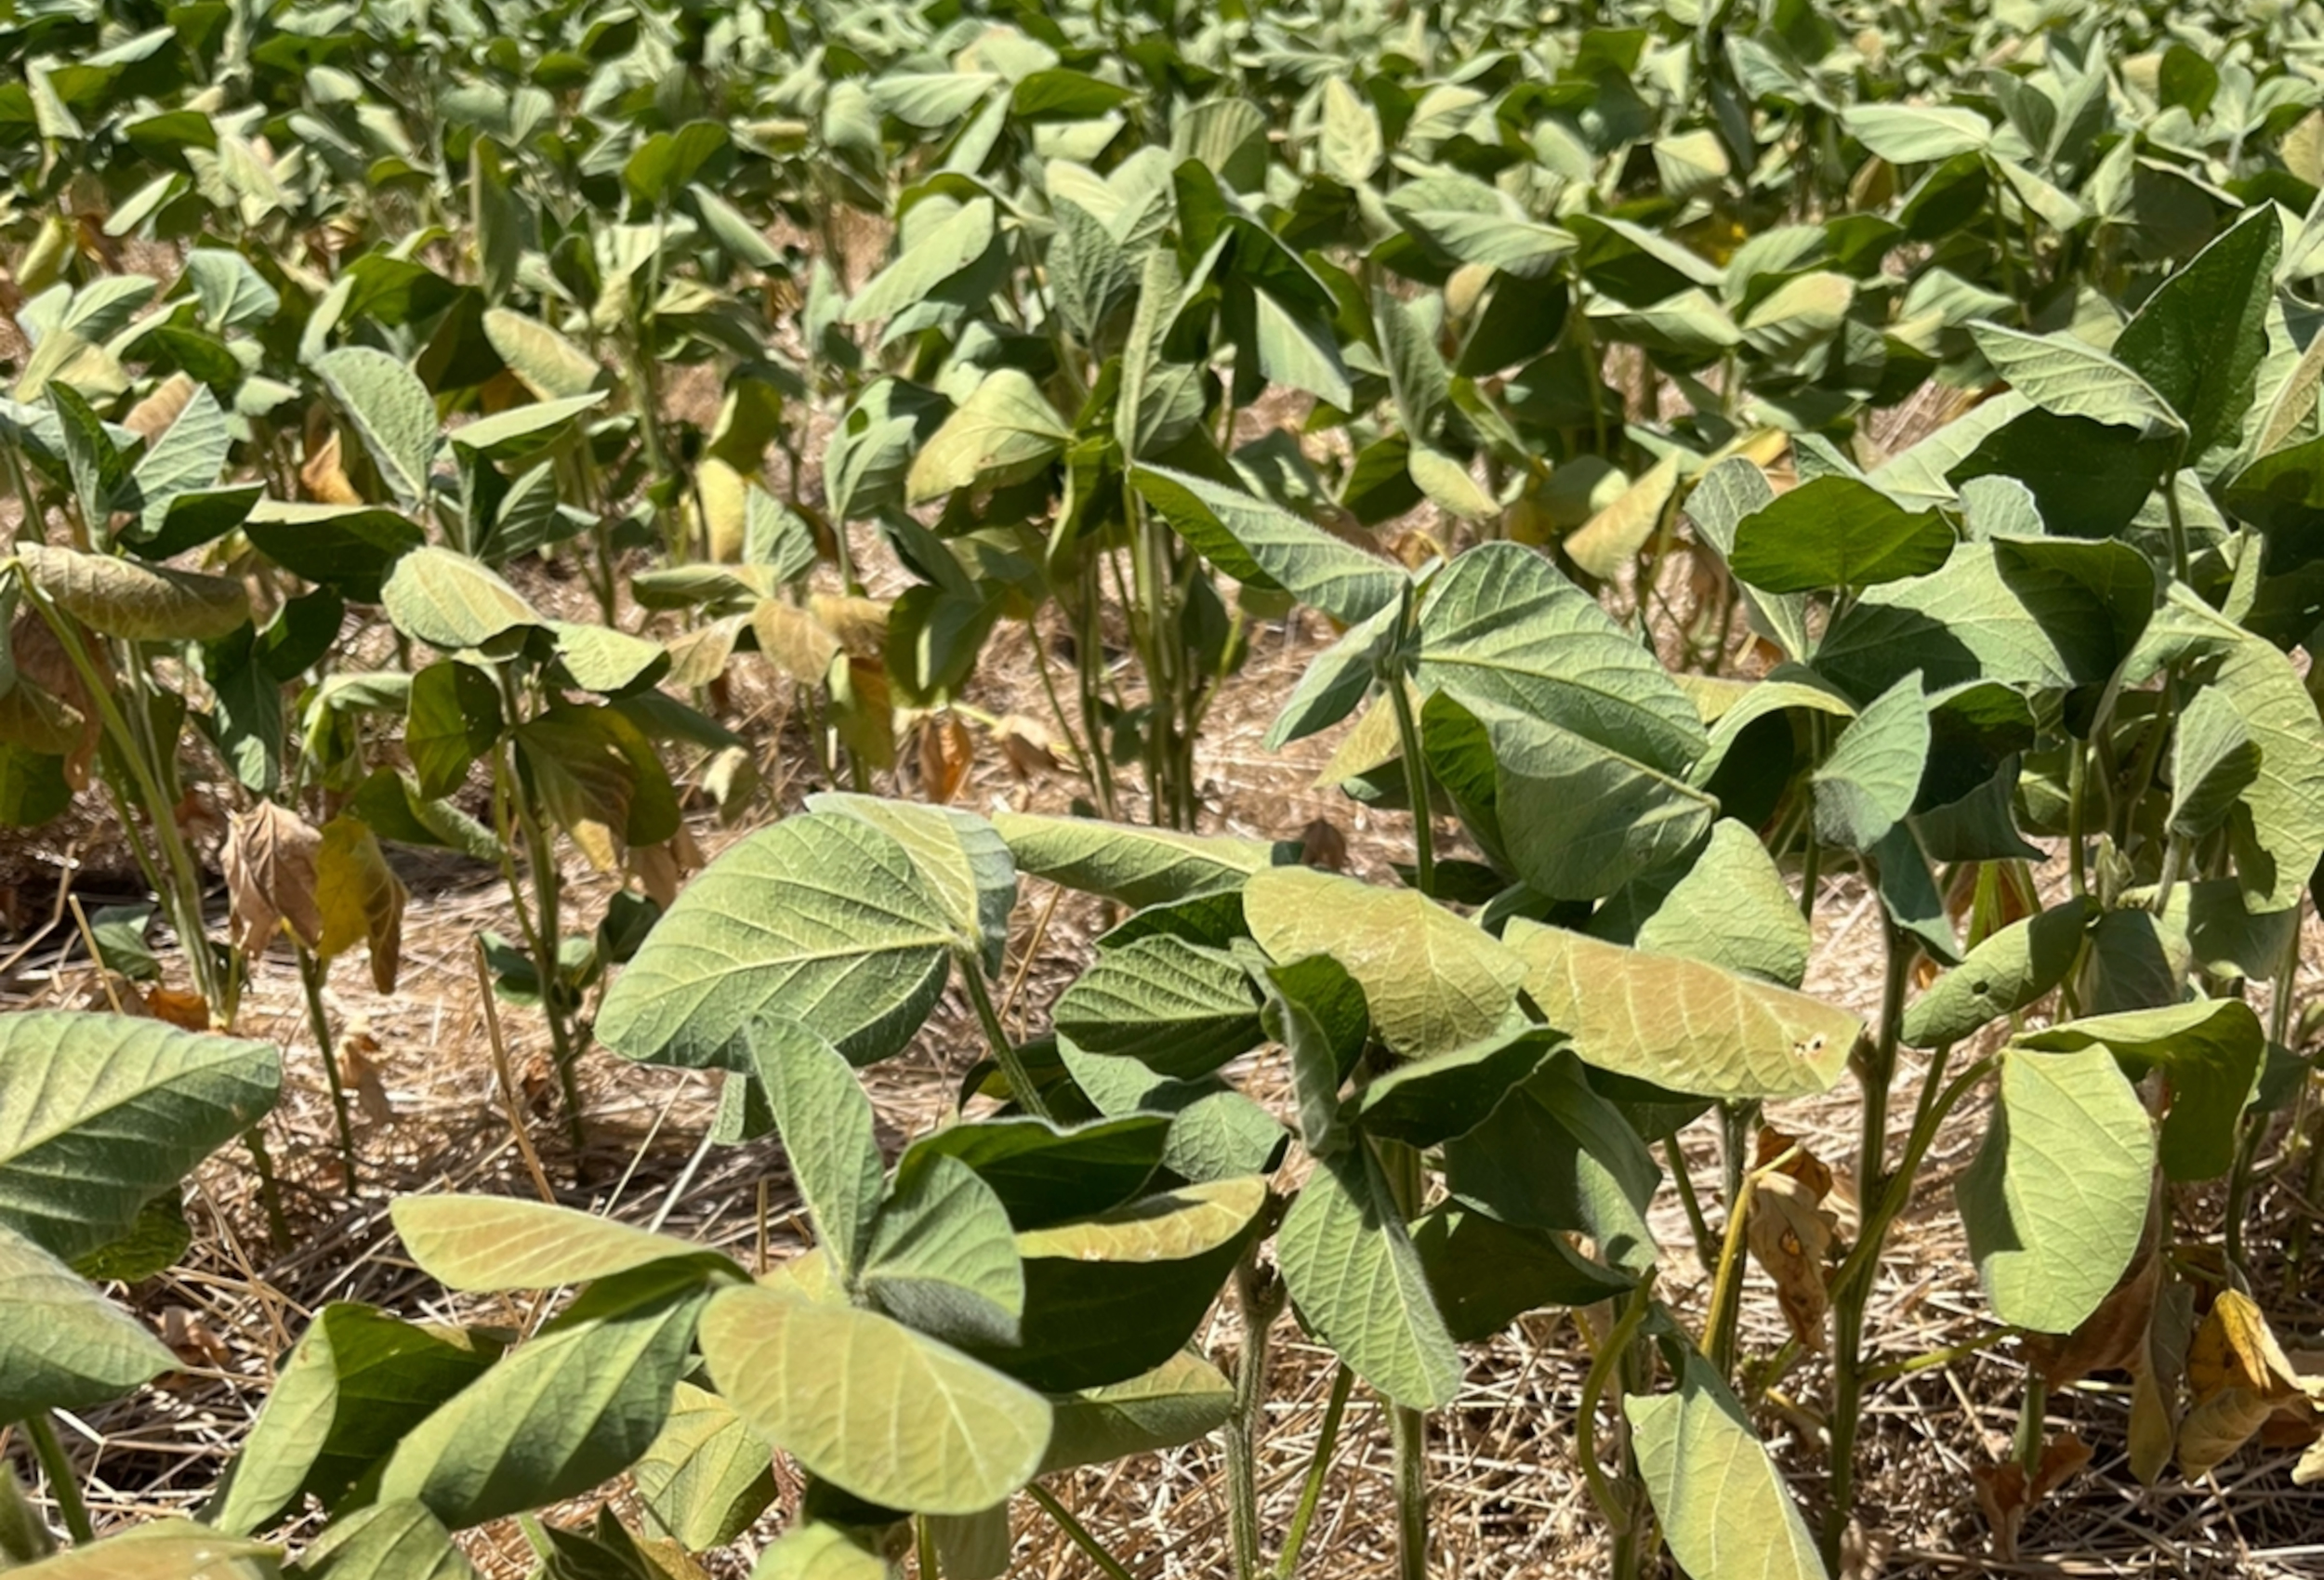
x: 943, y: 1257
x: 1351, y: 1265
x: 552, y: 367
x: 1682, y: 1024
x: 820, y: 919
x: 2056, y: 1201
x: 708, y: 1477
x: 448, y: 600
x: 1722, y: 499
x: 1916, y: 134
x: 934, y: 256
x: 1046, y: 1175
x: 666, y: 161
x: 385, y: 1541
x: 867, y: 1404
x: 2201, y: 337
x: 1109, y: 1297
x: 522, y: 430
x: 2014, y: 969
x: 495, y: 1243
x: 98, y: 469
x: 1555, y: 1155
x: 1130, y: 863
x: 62, y: 1344
x: 1724, y: 1507
x: 1466, y: 221
x: 829, y: 1132
x: 392, y: 412
x: 1836, y: 532
x: 101, y: 1113
x: 562, y: 1412
x: 138, y: 602
x: 1183, y: 1398
x: 165, y: 1549
x: 1432, y: 980
x: 183, y: 459
x: 816, y: 1551
x: 2213, y: 761
x: 2069, y: 377
x: 1485, y: 1274
x: 2210, y: 1051
x: 601, y: 659
x: 1732, y: 909
x: 1263, y: 545
x: 357, y: 1381
x: 454, y: 719
x: 1866, y: 785
x: 961, y: 859
x: 1180, y: 1010
x: 1433, y: 1100
x: 1349, y: 145
x: 1004, y: 433
x: 1499, y: 626
x: 349, y: 547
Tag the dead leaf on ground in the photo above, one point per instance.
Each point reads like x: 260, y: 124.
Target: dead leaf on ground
x: 269, y: 866
x: 1025, y: 745
x: 359, y: 1071
x: 188, y: 1011
x: 1322, y: 845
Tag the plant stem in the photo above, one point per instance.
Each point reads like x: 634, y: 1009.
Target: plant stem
x: 1408, y: 1428
x: 1676, y: 1156
x: 311, y: 985
x: 1848, y: 1301
x: 1078, y: 1533
x: 1618, y: 1507
x: 63, y: 1487
x: 511, y: 805
x: 1416, y: 788
x: 1261, y: 1295
x: 1318, y: 1467
x: 269, y: 1192
x: 1005, y: 1054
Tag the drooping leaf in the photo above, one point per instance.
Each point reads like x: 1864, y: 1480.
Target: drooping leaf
x: 708, y: 1477
x: 827, y: 1130
x: 1867, y: 784
x: 448, y: 600
x: 961, y: 857
x: 1003, y: 432
x: 1263, y: 546
x: 138, y: 602
x: 1350, y: 1262
x: 1485, y: 1274
x: 1724, y: 1508
x: 385, y: 1541
x: 1046, y: 1175
x: 2055, y: 1200
x: 1180, y: 1010
x: 1183, y: 1398
x: 391, y: 410
x: 2210, y: 1050
x: 943, y: 1257
x: 2069, y: 377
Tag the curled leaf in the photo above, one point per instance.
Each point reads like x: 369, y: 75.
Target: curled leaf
x: 270, y: 860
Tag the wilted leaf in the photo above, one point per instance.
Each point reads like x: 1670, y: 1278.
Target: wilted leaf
x: 271, y: 861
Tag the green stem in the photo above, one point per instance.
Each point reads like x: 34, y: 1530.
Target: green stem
x: 2077, y: 785
x: 1849, y: 1300
x: 63, y: 1487
x: 1416, y: 787
x: 269, y: 1192
x: 540, y: 925
x: 1619, y: 1509
x: 1078, y: 1533
x: 1005, y: 1054
x: 1261, y: 1295
x: 1408, y: 1428
x: 1706, y: 1250
x: 1318, y: 1467
x: 311, y: 984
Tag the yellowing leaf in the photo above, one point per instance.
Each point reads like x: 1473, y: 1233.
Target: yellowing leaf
x: 359, y: 898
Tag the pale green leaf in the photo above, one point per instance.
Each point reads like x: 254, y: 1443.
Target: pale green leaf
x: 62, y: 1344
x: 392, y: 412
x: 1724, y: 1507
x: 1133, y: 864
x: 495, y: 1243
x: 1264, y: 546
x: 1003, y: 432
x: 1349, y: 1263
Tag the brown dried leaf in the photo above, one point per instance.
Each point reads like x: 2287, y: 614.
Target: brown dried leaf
x: 2110, y: 1337
x: 1790, y: 1235
x: 360, y: 899
x: 793, y: 641
x: 1802, y: 1165
x: 2155, y: 1371
x: 359, y: 1070
x: 324, y: 476
x: 150, y: 417
x: 41, y: 659
x: 186, y: 1011
x: 1025, y: 744
x: 2006, y: 1493
x: 1322, y: 845
x: 192, y: 1339
x: 269, y: 866
x: 655, y: 868
x: 946, y: 754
